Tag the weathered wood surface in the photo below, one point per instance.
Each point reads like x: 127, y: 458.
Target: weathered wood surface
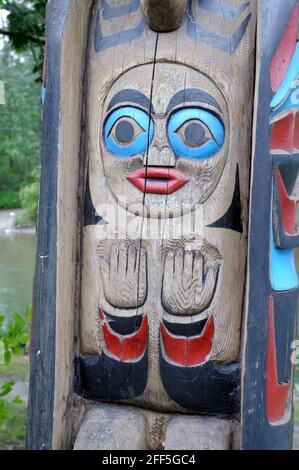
x: 270, y: 322
x: 143, y: 219
x: 190, y: 289
x: 55, y: 322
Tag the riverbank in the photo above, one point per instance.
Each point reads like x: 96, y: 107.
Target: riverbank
x: 17, y: 259
x: 7, y: 222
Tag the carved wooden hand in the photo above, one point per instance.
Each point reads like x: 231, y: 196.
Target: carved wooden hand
x: 189, y: 281
x: 125, y: 275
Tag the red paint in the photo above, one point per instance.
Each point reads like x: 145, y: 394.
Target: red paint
x: 284, y: 53
x: 174, y: 180
x: 125, y: 348
x: 282, y: 134
x: 277, y: 394
x: 188, y: 351
x: 287, y: 206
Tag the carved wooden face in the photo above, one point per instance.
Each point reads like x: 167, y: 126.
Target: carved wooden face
x: 168, y: 136
x: 178, y: 152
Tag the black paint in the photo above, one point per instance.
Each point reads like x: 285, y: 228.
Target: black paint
x: 285, y: 312
x: 104, y: 378
x: 186, y: 329
x: 208, y: 388
x: 192, y: 95
x: 131, y: 96
x: 232, y: 219
x: 91, y: 216
x: 124, y: 325
x: 288, y: 167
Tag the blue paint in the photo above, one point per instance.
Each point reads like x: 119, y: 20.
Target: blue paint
x: 109, y: 12
x: 206, y: 150
x: 43, y: 94
x: 288, y: 81
x: 230, y: 12
x: 283, y: 275
x: 140, y: 142
x: 290, y: 103
x: 102, y: 42
x: 227, y: 44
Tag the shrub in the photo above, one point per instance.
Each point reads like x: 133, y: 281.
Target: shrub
x: 9, y: 199
x: 29, y: 201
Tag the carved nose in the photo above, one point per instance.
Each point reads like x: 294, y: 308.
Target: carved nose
x: 159, y: 152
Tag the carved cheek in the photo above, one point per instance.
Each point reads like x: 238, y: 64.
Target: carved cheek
x: 204, y: 174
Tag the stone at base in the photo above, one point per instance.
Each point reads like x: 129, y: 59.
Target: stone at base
x: 197, y: 433
x: 112, y: 427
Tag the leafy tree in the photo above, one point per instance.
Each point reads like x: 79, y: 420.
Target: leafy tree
x: 14, y: 339
x: 25, y: 28
x: 19, y: 126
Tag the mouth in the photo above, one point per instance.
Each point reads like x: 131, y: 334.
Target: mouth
x: 157, y: 180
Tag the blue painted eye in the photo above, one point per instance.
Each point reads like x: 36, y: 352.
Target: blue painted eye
x: 195, y: 133
x: 128, y: 131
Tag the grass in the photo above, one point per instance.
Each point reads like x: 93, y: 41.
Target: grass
x: 12, y: 437
x: 19, y: 366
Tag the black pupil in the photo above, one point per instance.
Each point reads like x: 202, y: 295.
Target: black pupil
x: 194, y: 133
x: 124, y: 132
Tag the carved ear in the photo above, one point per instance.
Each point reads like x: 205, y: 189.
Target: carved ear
x: 165, y: 15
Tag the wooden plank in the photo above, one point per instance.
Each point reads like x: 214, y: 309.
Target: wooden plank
x: 54, y: 299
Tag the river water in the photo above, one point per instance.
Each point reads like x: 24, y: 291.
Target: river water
x: 17, y: 259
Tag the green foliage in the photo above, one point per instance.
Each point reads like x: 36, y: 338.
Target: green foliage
x: 19, y: 127
x: 29, y: 202
x: 14, y: 339
x: 15, y: 334
x: 9, y: 199
x: 25, y: 28
x: 12, y: 436
x: 18, y: 367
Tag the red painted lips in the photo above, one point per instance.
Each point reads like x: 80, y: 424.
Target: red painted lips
x: 157, y: 180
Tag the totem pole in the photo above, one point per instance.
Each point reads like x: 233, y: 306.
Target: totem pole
x: 165, y: 275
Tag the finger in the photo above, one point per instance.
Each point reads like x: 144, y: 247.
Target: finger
x: 123, y: 258
x: 142, y: 288
x: 104, y: 267
x: 188, y: 264
x: 132, y: 263
x: 169, y: 264
x: 143, y: 262
x: 198, y: 263
x: 114, y: 259
x: 179, y: 262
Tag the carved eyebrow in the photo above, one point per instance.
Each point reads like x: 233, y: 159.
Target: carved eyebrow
x: 131, y: 96
x: 192, y: 95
